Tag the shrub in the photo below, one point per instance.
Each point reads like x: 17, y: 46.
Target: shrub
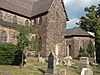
x: 83, y: 54
x: 91, y: 49
x: 8, y: 54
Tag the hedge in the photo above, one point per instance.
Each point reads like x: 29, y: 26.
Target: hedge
x: 9, y: 55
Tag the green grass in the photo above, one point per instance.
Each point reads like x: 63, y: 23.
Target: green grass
x: 33, y: 68
x: 36, y: 68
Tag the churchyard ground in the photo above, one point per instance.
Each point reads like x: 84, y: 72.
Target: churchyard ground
x: 36, y: 68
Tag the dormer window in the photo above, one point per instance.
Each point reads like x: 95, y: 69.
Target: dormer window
x: 26, y: 22
x: 35, y: 22
x: 14, y: 19
x: 1, y: 15
x: 40, y: 20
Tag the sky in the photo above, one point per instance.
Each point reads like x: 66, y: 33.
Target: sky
x: 75, y: 9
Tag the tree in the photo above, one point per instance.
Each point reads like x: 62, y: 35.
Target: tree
x: 91, y: 22
x: 23, y: 42
x: 91, y: 49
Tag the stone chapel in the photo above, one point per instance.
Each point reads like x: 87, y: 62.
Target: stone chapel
x: 47, y: 16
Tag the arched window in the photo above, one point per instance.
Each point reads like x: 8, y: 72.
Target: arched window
x: 81, y: 46
x: 70, y: 50
x: 1, y: 15
x: 26, y: 22
x: 40, y: 43
x: 3, y: 37
x: 40, y: 20
x: 14, y: 19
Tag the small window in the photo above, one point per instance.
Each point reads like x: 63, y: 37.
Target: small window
x: 3, y: 37
x: 14, y: 19
x: 35, y: 22
x: 26, y: 22
x: 1, y: 15
x: 40, y: 20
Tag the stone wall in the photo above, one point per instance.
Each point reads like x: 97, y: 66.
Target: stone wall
x: 10, y: 34
x: 56, y: 28
x: 9, y: 18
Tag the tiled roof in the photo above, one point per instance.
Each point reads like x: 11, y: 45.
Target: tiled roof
x: 28, y: 8
x: 77, y: 32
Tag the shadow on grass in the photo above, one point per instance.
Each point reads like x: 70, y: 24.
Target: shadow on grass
x: 43, y: 72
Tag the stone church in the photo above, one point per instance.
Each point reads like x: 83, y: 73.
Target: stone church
x: 47, y: 16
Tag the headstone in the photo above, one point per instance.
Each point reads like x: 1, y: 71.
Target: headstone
x: 56, y: 50
x: 67, y: 61
x: 86, y: 71
x: 84, y: 62
x: 40, y: 59
x: 56, y: 54
x: 51, y: 66
x: 62, y: 72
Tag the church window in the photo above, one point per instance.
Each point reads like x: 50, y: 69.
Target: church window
x: 81, y: 46
x: 1, y: 15
x: 26, y: 22
x: 3, y: 37
x: 35, y: 22
x: 14, y: 19
x: 40, y: 43
x: 40, y: 20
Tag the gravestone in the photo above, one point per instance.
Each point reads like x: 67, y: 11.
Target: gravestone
x: 51, y: 65
x: 41, y: 60
x: 56, y: 54
x: 86, y: 71
x: 84, y: 62
x: 62, y: 72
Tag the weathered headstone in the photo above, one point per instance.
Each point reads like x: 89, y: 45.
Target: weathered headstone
x: 86, y: 71
x: 62, y: 72
x: 56, y: 54
x: 51, y: 65
x: 84, y: 62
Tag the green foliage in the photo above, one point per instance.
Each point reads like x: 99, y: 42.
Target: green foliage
x: 91, y: 49
x: 22, y: 38
x: 7, y: 52
x: 36, y: 43
x: 91, y: 22
x: 83, y: 54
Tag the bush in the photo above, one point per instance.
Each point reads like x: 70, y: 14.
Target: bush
x: 83, y: 54
x: 8, y: 54
x: 91, y: 49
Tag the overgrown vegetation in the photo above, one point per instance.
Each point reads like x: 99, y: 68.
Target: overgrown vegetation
x: 91, y: 49
x: 91, y: 22
x: 8, y: 54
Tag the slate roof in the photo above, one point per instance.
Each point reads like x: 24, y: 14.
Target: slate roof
x: 28, y: 8
x: 77, y: 32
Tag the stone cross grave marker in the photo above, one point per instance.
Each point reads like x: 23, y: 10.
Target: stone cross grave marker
x: 62, y: 72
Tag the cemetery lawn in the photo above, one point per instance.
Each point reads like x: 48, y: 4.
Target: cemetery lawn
x: 36, y: 68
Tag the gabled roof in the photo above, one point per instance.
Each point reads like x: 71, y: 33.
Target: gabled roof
x: 28, y: 8
x: 76, y: 32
